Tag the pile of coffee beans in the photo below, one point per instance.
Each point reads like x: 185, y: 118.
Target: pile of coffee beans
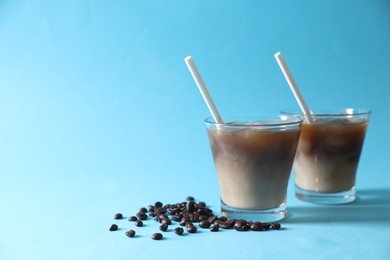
x: 187, y: 214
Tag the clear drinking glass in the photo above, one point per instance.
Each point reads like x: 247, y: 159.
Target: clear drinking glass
x: 253, y: 157
x: 328, y: 155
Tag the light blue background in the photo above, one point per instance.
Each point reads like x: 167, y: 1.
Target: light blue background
x: 100, y: 115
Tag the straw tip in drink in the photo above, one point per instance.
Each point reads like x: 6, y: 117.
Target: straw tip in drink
x: 188, y: 58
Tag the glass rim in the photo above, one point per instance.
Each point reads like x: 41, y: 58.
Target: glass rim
x: 256, y: 120
x: 330, y: 112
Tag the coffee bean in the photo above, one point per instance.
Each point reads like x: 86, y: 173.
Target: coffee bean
x: 225, y: 225
x: 179, y: 231
x: 190, y: 198
x: 176, y: 217
x: 166, y: 221
x: 275, y: 226
x: 191, y: 229
x: 157, y: 236
x: 203, y: 217
x: 130, y: 233
x: 266, y: 226
x: 216, y: 222
x: 212, y: 219
x: 241, y: 225
x: 139, y: 223
x: 143, y: 210
x: 245, y: 228
x: 256, y: 226
x: 214, y: 228
x: 114, y: 227
x: 133, y: 218
x: 191, y: 206
x: 161, y: 216
x: 231, y: 222
x: 204, y: 224
x: 151, y: 208
x: 118, y: 216
x: 238, y: 226
x: 189, y: 224
x: 201, y: 204
x: 223, y: 218
x: 158, y: 204
x: 142, y: 216
x: 183, y: 222
x: 243, y: 222
x: 164, y: 227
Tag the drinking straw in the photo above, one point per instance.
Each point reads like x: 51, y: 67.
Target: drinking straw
x: 294, y: 87
x: 203, y: 89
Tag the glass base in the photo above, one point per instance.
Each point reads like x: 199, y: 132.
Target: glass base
x: 265, y: 215
x: 325, y: 198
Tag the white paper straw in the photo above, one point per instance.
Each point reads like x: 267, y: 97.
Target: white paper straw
x: 203, y: 90
x: 294, y: 87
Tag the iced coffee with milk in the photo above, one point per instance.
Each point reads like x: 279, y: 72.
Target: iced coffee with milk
x: 253, y: 159
x: 328, y: 155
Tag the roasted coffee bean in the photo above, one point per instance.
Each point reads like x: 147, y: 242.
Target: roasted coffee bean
x: 266, y: 226
x: 275, y: 226
x: 183, y: 222
x: 212, y: 219
x: 176, y: 217
x: 130, y: 233
x: 214, y: 228
x: 190, y: 198
x: 166, y: 221
x: 157, y: 236
x: 223, y: 218
x: 191, y: 229
x: 205, y: 211
x: 238, y: 226
x: 191, y: 206
x: 203, y: 217
x: 245, y: 228
x: 205, y: 224
x: 231, y: 222
x: 143, y: 210
x: 142, y: 216
x: 242, y: 222
x: 164, y: 227
x: 158, y: 204
x: 114, y: 227
x: 179, y: 231
x: 118, y: 216
x: 189, y: 224
x: 194, y: 217
x: 161, y: 216
x: 216, y: 222
x: 241, y: 226
x: 256, y: 226
x: 151, y: 208
x: 224, y: 225
x: 139, y: 223
x: 153, y: 214
x: 201, y: 204
x: 133, y: 218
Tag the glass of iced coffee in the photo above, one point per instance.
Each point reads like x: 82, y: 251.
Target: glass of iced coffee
x: 328, y: 155
x: 253, y: 157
